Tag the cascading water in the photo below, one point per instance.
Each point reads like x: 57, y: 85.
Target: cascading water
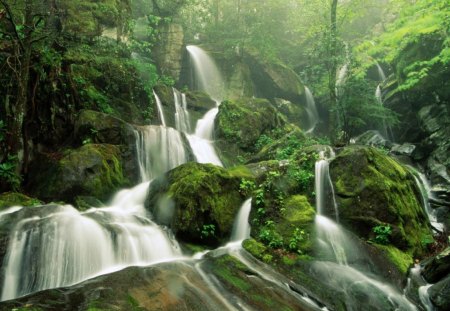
x: 159, y: 149
x: 59, y: 246
x: 182, y: 120
x: 241, y: 227
x: 426, y: 194
x: 160, y: 109
x: 208, y: 79
x: 62, y: 246
x: 311, y: 110
x: 339, y: 252
x: 381, y: 74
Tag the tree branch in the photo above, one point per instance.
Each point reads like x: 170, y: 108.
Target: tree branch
x: 10, y: 18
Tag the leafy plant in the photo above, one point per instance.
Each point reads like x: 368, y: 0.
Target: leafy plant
x: 382, y: 234
x: 246, y: 187
x: 298, y: 236
x: 8, y: 172
x: 208, y: 230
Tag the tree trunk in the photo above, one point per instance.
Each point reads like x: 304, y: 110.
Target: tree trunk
x: 334, y: 114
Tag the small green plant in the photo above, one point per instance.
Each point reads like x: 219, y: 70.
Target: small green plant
x: 382, y: 234
x: 262, y: 141
x: 8, y: 172
x: 270, y: 236
x: 2, y: 131
x: 298, y: 236
x: 246, y: 187
x: 208, y: 230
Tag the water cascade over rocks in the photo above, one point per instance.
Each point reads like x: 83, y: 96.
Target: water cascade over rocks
x: 311, y: 110
x: 209, y: 80
x: 340, y: 254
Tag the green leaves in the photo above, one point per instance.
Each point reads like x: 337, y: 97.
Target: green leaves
x: 382, y: 234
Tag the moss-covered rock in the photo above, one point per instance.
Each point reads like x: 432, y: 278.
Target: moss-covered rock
x: 272, y: 78
x: 91, y: 170
x: 373, y: 190
x: 198, y: 201
x: 97, y: 127
x: 8, y: 199
x: 240, y: 123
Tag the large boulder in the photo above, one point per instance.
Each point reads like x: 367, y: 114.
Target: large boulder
x: 198, y: 201
x: 101, y: 128
x: 435, y: 268
x: 440, y: 294
x: 91, y: 170
x: 240, y: 123
x: 273, y: 79
x: 374, y: 191
x: 169, y: 51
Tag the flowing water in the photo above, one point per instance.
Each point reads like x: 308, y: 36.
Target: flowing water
x: 60, y: 246
x: 159, y: 149
x: 338, y: 251
x: 311, y: 110
x: 241, y: 227
x: 426, y: 194
x: 182, y: 119
x: 210, y: 80
x: 381, y: 74
x: 160, y: 109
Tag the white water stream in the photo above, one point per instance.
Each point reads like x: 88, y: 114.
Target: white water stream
x: 333, y: 239
x: 311, y: 110
x: 209, y: 80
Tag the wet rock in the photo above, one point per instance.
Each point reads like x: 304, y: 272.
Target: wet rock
x: 198, y: 201
x: 169, y: 50
x: 240, y: 83
x: 91, y: 170
x: 440, y: 294
x: 372, y: 190
x: 240, y: 123
x: 371, y: 138
x: 273, y: 78
x: 97, y: 127
x: 8, y: 199
x: 294, y: 113
x: 404, y: 149
x: 437, y: 267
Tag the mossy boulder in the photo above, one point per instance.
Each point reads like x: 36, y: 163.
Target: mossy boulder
x: 91, y: 170
x: 8, y: 199
x: 198, y: 201
x: 373, y: 190
x: 273, y: 78
x: 240, y: 82
x: 97, y: 127
x: 240, y: 123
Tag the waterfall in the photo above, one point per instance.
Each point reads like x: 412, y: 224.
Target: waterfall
x: 241, y: 227
x: 208, y: 79
x: 426, y: 194
x: 159, y: 149
x: 207, y: 76
x: 339, y: 252
x: 160, y: 109
x: 381, y: 74
x: 311, y: 110
x: 379, y: 98
x: 60, y: 246
x: 182, y: 120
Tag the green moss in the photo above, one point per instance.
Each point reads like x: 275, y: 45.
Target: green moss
x: 400, y: 259
x: 9, y: 199
x: 203, y: 195
x: 373, y: 189
x: 257, y: 249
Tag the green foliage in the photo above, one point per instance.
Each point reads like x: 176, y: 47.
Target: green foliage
x: 270, y: 236
x: 8, y: 172
x: 246, y: 187
x: 207, y: 231
x: 382, y: 234
x: 263, y: 140
x: 298, y: 236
